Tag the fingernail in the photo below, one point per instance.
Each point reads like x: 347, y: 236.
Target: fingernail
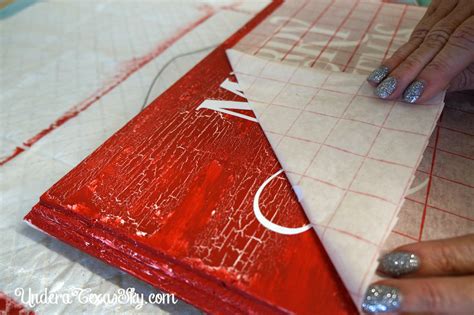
x: 399, y: 263
x: 386, y: 87
x: 378, y: 74
x: 381, y: 299
x: 413, y: 91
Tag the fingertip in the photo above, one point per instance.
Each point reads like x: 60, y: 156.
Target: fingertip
x: 371, y: 83
x: 414, y: 91
x: 378, y: 75
x: 386, y: 88
x: 398, y: 263
x: 424, y: 91
x: 381, y: 298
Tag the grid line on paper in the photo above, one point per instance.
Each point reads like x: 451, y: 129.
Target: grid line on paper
x: 428, y: 190
x: 456, y: 130
x: 453, y: 153
x: 282, y: 89
x: 361, y: 164
x: 301, y: 112
x: 308, y: 29
x: 324, y: 88
x: 439, y: 209
x: 335, y: 32
x: 341, y: 149
x: 433, y: 127
x: 405, y: 235
x: 426, y: 203
x: 447, y: 179
x: 460, y: 110
x: 337, y: 49
x: 395, y: 32
x: 323, y: 114
x: 282, y: 26
x: 324, y: 142
x: 353, y: 119
x: 363, y: 35
x: 358, y: 237
x: 400, y: 203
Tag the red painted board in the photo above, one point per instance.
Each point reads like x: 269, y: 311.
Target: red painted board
x: 9, y: 306
x: 169, y: 199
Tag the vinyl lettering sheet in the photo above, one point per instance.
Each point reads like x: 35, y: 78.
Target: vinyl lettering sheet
x: 350, y: 156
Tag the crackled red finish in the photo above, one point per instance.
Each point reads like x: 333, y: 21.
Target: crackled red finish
x: 169, y: 199
x: 9, y: 306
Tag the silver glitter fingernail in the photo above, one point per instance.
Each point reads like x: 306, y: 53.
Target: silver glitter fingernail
x: 414, y: 91
x: 378, y: 74
x: 381, y: 299
x: 386, y: 87
x: 399, y: 263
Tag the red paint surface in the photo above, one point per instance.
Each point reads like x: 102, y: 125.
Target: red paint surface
x: 9, y: 306
x: 168, y: 198
x: 128, y: 68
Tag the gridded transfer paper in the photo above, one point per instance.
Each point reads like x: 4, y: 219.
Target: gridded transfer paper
x: 350, y: 156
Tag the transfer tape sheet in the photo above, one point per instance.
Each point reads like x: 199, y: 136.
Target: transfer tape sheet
x: 354, y: 37
x: 350, y: 156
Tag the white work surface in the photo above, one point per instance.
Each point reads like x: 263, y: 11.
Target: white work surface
x: 80, y: 58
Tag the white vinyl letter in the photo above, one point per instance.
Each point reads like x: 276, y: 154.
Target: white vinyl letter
x: 227, y: 106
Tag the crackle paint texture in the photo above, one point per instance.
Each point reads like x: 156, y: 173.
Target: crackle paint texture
x: 169, y: 199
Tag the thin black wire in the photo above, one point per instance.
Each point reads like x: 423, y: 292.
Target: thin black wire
x: 166, y: 66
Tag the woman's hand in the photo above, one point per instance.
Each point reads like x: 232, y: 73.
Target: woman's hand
x: 432, y: 277
x: 439, y: 55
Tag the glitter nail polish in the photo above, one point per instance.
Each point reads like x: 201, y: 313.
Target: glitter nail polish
x: 378, y: 74
x: 399, y: 263
x: 413, y: 91
x: 381, y: 299
x: 386, y: 87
